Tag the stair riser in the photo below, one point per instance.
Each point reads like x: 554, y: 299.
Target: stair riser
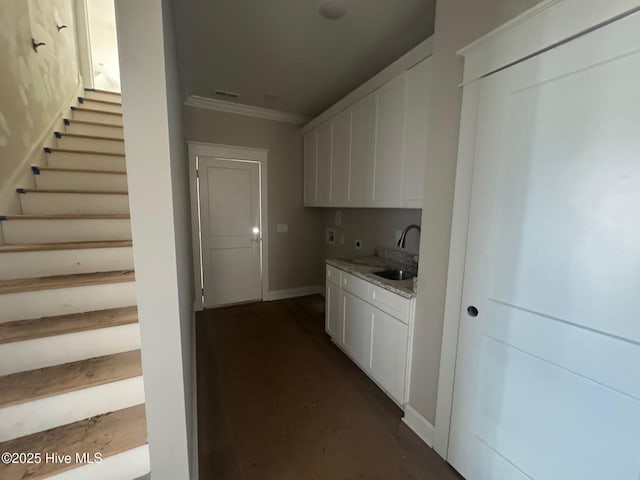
x: 98, y: 130
x: 58, y: 349
x: 102, y: 96
x: 17, y: 265
x: 45, y: 303
x: 81, y: 181
x: 105, y: 107
x: 124, y: 466
x: 86, y: 161
x: 21, y: 232
x: 96, y: 117
x: 43, y: 414
x: 34, y: 203
x: 93, y: 144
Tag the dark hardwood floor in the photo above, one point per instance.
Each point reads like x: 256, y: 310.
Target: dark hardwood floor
x: 278, y: 401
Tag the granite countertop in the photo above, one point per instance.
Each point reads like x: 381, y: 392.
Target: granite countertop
x: 364, y: 267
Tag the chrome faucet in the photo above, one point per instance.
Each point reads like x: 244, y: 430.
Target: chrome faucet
x: 403, y: 237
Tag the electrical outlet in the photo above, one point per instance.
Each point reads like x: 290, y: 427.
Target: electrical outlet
x: 338, y: 218
x: 331, y: 236
x: 358, y: 244
x: 341, y: 239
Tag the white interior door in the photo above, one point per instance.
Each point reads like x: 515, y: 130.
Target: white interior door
x: 547, y: 381
x: 231, y: 230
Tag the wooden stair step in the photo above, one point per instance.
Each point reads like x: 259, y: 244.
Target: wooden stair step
x: 83, y: 152
x: 100, y: 100
x: 95, y: 110
x: 98, y: 90
x: 36, y: 170
x: 46, y: 382
x: 109, y: 434
x: 92, y: 216
x: 68, y: 121
x: 21, y: 330
x: 84, y: 192
x: 90, y: 137
x: 41, y: 247
x: 65, y: 281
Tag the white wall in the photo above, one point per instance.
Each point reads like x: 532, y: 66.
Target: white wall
x: 458, y: 23
x: 157, y: 173
x: 36, y: 89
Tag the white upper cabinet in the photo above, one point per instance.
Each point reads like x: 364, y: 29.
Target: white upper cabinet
x: 416, y: 134
x: 373, y: 153
x: 324, y: 153
x: 341, y: 159
x: 310, y: 171
x: 363, y: 129
x: 391, y: 121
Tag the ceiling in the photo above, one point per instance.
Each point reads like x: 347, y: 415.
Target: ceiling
x: 285, y: 48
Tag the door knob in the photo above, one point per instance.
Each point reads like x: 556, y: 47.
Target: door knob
x: 472, y: 311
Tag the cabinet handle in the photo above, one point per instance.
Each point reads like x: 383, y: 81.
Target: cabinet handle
x: 373, y: 295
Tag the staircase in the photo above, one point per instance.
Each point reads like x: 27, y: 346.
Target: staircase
x: 70, y: 372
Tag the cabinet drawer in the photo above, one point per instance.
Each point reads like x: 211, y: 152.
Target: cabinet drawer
x: 355, y: 285
x: 391, y: 303
x: 333, y: 275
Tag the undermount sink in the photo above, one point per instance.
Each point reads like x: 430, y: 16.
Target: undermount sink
x: 396, y: 274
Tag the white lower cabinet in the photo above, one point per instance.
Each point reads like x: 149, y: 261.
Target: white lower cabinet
x: 333, y: 309
x: 376, y: 340
x: 389, y: 353
x: 357, y: 329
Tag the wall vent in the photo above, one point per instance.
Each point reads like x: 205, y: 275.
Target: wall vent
x: 224, y: 93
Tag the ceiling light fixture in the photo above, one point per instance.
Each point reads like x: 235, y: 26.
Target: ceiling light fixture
x: 332, y: 9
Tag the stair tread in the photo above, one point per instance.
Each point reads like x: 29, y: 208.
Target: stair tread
x: 65, y: 281
x: 49, y: 381
x: 40, y: 247
x: 98, y: 90
x: 94, y: 110
x: 92, y: 137
x: 88, y: 122
x: 84, y: 192
x: 71, y: 216
x: 109, y: 434
x: 20, y: 330
x: 100, y: 100
x: 78, y: 170
x: 84, y: 152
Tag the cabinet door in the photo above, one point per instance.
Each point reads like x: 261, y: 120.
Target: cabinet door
x: 325, y: 140
x: 357, y: 329
x: 419, y: 78
x: 363, y: 125
x: 333, y: 309
x: 390, y: 142
x: 389, y: 353
x: 310, y: 168
x: 340, y: 159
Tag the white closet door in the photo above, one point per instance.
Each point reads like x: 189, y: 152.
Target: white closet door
x: 547, y: 380
x: 231, y: 230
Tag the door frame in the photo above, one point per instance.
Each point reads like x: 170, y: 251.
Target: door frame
x: 554, y: 22
x: 228, y: 152
x: 83, y: 42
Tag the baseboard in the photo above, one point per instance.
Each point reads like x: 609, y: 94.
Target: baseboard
x: 420, y: 425
x: 295, y: 292
x: 22, y: 175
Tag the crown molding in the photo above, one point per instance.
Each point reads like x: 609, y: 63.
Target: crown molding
x: 246, y: 110
x: 414, y: 56
x: 546, y: 25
